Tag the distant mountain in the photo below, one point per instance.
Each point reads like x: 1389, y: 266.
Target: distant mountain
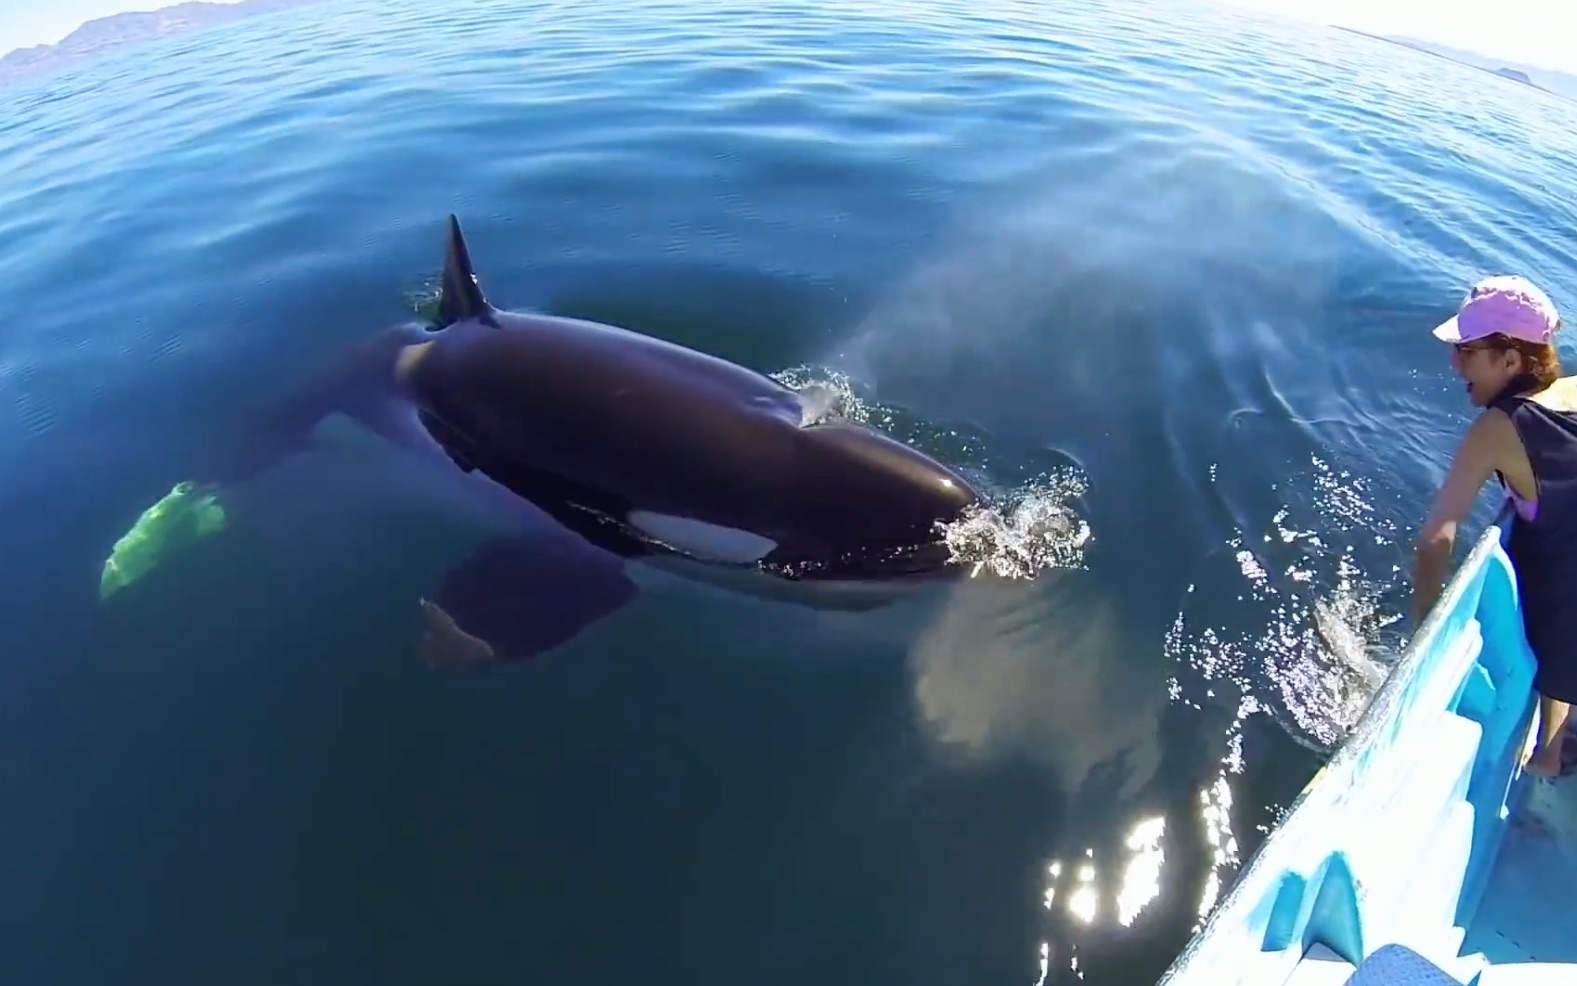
x: 1559, y: 83
x: 121, y: 31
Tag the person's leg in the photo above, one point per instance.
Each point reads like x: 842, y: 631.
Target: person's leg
x: 1546, y: 759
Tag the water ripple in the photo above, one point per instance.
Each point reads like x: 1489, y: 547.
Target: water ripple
x: 1186, y: 255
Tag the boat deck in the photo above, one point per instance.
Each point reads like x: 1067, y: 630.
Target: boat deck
x: 1529, y: 909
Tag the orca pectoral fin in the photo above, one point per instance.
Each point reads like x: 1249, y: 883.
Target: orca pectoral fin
x: 514, y: 599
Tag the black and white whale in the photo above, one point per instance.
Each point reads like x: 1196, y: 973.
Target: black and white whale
x: 640, y: 450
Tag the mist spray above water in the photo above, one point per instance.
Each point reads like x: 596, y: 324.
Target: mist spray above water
x: 1181, y: 284
x: 1159, y: 299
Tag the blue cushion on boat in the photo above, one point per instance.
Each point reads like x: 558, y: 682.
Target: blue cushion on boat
x: 1397, y: 965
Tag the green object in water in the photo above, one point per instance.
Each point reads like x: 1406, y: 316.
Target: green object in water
x: 183, y: 517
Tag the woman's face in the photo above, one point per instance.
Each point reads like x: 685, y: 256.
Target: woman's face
x: 1486, y: 369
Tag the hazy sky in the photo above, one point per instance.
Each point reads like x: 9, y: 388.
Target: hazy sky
x: 1535, y: 32
x: 1541, y: 33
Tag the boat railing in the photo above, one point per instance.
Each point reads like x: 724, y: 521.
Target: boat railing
x: 1394, y: 838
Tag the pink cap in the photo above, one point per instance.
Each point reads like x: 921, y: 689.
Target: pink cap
x: 1506, y: 303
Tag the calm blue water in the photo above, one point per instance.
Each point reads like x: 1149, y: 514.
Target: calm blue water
x: 1192, y: 256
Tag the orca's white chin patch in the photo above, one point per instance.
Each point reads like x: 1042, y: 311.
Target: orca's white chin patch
x: 848, y: 595
x: 701, y: 540
x: 726, y: 557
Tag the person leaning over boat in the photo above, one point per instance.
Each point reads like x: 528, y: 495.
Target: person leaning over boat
x: 1503, y: 345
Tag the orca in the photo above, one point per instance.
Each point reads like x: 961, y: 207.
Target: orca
x: 639, y: 450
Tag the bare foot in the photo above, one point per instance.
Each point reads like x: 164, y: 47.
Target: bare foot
x: 444, y: 644
x: 1545, y: 763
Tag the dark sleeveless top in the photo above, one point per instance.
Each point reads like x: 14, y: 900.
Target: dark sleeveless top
x: 1544, y: 549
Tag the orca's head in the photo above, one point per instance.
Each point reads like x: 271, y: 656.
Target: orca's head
x: 874, y: 510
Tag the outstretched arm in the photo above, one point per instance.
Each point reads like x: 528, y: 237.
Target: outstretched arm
x: 1475, y: 461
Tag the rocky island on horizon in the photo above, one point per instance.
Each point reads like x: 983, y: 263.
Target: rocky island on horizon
x: 118, y: 32
x: 1555, y: 83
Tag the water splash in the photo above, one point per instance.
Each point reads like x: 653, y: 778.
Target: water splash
x: 828, y: 395
x: 1030, y: 530
x: 424, y: 301
x: 1022, y: 529
x: 1317, y: 661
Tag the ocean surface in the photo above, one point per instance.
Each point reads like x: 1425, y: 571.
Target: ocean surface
x: 1164, y: 265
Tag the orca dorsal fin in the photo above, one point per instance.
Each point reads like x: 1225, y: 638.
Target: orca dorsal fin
x: 462, y: 294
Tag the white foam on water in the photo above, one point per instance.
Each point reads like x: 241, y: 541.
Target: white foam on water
x: 1029, y: 530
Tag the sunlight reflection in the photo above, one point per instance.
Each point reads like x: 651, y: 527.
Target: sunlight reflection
x: 1084, y: 901
x: 1055, y: 869
x: 1221, y: 844
x: 1076, y: 888
x: 1142, y: 880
